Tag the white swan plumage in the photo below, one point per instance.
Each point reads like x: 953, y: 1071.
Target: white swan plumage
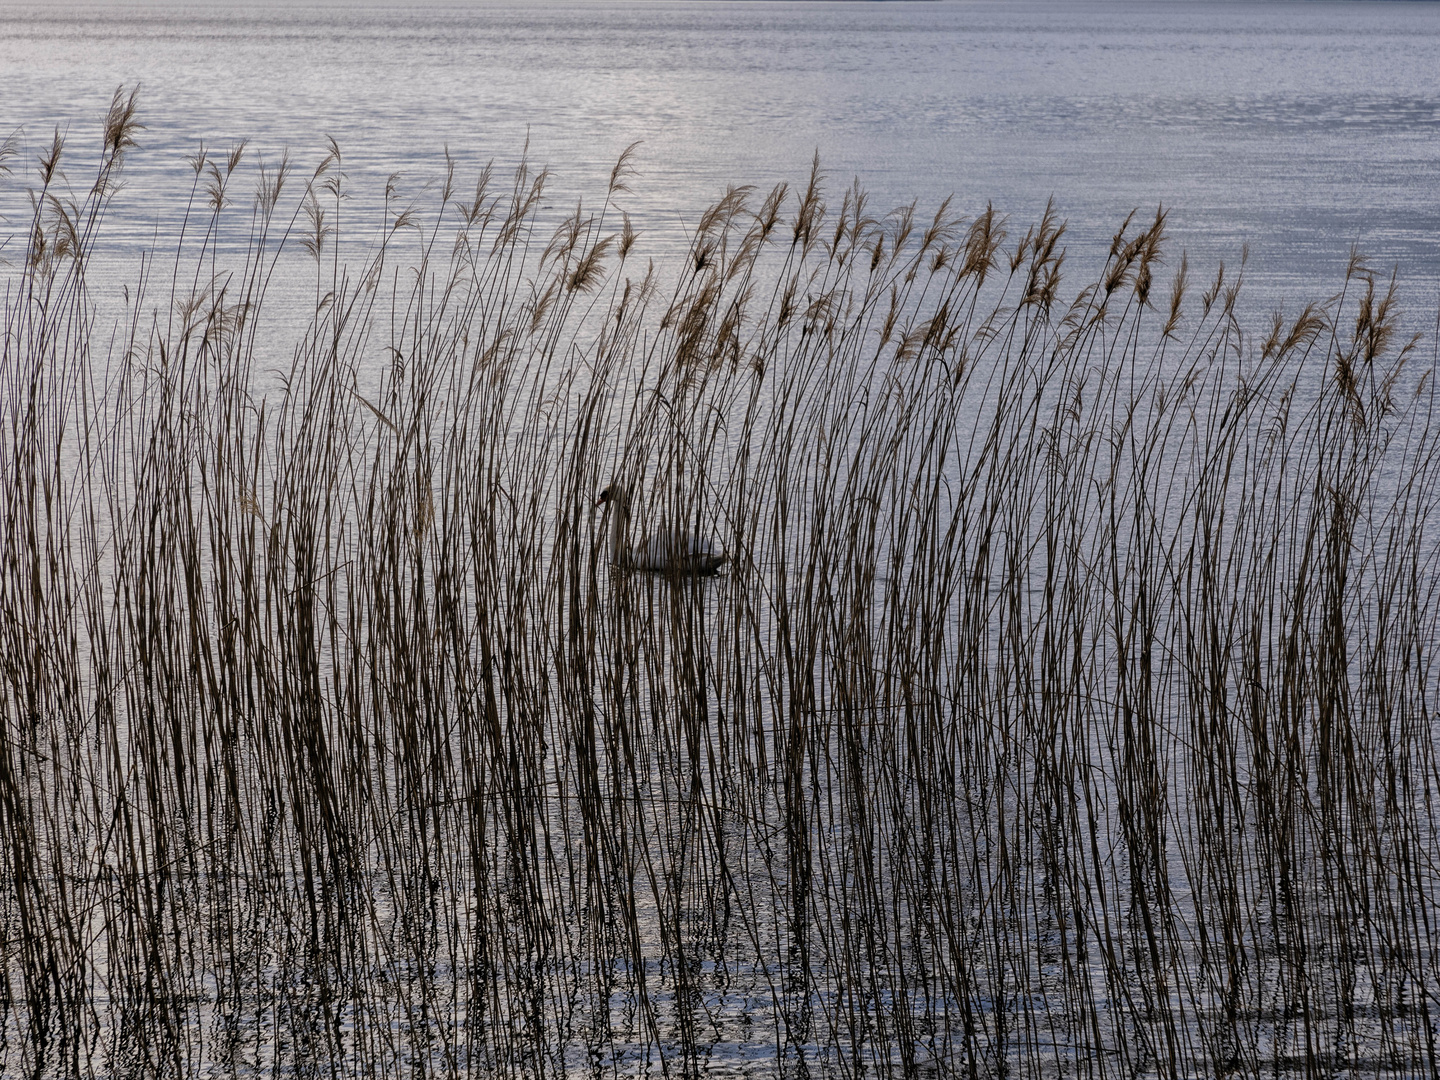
x: 673, y: 552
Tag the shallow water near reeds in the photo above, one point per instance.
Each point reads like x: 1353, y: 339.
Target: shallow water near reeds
x: 1067, y: 706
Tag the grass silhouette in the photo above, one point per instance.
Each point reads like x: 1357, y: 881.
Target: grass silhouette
x: 1064, y: 707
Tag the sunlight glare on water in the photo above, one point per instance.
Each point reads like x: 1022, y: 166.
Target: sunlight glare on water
x: 1298, y: 129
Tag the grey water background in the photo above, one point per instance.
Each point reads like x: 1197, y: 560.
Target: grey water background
x: 1298, y: 129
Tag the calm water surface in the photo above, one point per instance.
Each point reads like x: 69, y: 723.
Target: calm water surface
x: 1296, y: 128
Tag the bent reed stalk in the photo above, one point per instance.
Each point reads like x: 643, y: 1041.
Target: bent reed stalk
x: 1064, y: 708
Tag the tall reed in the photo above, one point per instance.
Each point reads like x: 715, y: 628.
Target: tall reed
x: 1064, y: 707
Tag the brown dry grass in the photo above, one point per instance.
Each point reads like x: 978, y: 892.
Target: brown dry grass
x: 1065, y: 707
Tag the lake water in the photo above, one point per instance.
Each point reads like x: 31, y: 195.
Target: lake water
x: 1066, y: 707
x: 1296, y: 128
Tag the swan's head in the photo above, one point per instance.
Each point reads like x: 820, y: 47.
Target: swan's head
x: 616, y: 494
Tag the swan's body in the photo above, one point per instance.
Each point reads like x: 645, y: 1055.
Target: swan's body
x: 673, y: 552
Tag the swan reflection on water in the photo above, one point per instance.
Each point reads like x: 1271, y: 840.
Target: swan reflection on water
x: 672, y: 551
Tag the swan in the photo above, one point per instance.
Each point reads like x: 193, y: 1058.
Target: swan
x: 672, y: 552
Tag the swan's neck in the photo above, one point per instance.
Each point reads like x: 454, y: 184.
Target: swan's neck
x: 619, y: 511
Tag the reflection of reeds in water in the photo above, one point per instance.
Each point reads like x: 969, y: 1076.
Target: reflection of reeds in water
x: 1064, y: 706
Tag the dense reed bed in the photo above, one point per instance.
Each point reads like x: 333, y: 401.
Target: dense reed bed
x: 1064, y: 707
